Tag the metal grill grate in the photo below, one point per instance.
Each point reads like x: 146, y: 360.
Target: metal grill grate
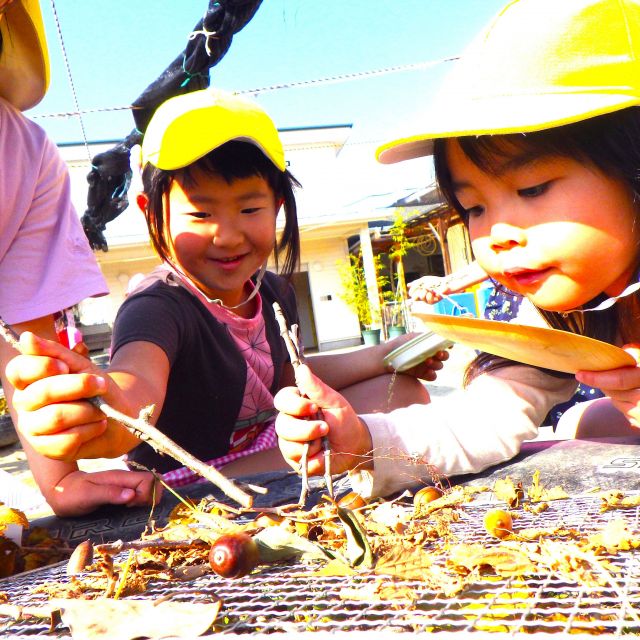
x: 284, y: 599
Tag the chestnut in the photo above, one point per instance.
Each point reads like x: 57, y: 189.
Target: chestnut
x: 352, y: 500
x: 426, y: 495
x: 234, y: 555
x: 498, y: 523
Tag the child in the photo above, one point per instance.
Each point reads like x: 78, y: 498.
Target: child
x: 199, y: 339
x: 536, y: 142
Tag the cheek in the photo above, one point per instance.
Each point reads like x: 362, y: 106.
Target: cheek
x: 187, y: 244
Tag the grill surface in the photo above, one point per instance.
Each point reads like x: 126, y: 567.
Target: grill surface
x: 284, y: 599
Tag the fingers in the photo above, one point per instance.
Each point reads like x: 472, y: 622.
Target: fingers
x: 40, y: 358
x: 133, y: 488
x: 66, y: 445
x: 59, y: 389
x: 290, y: 401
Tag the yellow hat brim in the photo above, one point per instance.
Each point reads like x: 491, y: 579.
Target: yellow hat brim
x: 186, y: 128
x: 539, y: 64
x: 509, y: 114
x: 24, y: 60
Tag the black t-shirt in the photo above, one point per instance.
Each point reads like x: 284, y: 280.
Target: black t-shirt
x: 208, y: 373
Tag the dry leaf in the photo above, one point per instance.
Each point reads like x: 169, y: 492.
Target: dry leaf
x: 506, y: 491
x: 129, y: 619
x: 506, y: 559
x: 537, y: 492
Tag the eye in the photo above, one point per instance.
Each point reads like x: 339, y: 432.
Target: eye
x: 199, y: 214
x: 473, y: 212
x: 250, y: 210
x: 535, y: 191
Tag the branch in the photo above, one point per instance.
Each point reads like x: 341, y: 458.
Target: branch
x: 295, y: 354
x: 142, y: 429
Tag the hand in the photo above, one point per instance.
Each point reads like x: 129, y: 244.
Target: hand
x: 622, y: 385
x: 349, y: 438
x: 425, y: 370
x: 428, y: 289
x: 51, y: 384
x: 80, y: 492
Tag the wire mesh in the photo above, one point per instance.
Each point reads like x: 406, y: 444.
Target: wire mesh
x: 287, y: 598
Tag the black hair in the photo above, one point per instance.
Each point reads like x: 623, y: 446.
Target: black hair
x: 611, y: 144
x: 231, y: 161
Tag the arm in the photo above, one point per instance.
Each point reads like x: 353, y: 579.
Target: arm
x: 52, y: 382
x: 340, y: 370
x: 463, y: 433
x: 431, y: 288
x: 68, y: 490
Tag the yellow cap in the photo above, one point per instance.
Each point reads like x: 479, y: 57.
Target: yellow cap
x: 539, y: 64
x: 24, y: 59
x: 185, y: 128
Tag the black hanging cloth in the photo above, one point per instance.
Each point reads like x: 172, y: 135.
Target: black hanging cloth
x: 110, y: 174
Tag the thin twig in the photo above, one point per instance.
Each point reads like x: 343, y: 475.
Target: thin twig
x: 142, y: 429
x: 294, y: 348
x: 112, y: 548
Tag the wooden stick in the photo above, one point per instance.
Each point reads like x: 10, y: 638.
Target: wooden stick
x: 142, y: 429
x: 112, y: 548
x: 295, y: 354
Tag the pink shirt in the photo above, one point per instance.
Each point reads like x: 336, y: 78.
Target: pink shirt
x: 255, y: 426
x: 46, y: 263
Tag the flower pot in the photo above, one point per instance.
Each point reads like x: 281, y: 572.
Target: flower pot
x: 371, y: 336
x: 397, y: 330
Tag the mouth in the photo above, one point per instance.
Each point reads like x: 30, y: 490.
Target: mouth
x: 526, y: 277
x: 230, y: 262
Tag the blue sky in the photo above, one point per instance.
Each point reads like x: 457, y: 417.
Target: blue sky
x: 115, y: 48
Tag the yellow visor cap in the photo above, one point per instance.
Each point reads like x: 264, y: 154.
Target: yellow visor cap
x: 24, y: 59
x: 186, y: 128
x: 539, y: 64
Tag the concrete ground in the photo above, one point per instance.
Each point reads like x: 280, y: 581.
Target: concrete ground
x: 17, y: 483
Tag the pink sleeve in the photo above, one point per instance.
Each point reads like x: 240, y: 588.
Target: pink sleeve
x: 46, y: 263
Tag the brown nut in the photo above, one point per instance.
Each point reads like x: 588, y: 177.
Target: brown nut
x: 352, y: 500
x: 81, y: 558
x: 426, y: 495
x: 234, y: 555
x: 498, y: 523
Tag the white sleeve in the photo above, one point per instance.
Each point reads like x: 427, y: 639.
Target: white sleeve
x: 465, y: 432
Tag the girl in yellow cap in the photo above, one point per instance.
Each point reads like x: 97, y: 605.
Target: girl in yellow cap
x: 535, y: 137
x: 198, y: 338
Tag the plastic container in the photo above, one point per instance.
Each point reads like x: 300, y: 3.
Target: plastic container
x: 415, y: 351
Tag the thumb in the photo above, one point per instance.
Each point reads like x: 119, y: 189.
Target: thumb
x: 315, y: 389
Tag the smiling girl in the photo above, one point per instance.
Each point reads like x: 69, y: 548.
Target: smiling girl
x: 536, y: 143
x: 197, y: 338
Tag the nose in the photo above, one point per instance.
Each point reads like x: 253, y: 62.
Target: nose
x: 506, y: 236
x: 227, y: 233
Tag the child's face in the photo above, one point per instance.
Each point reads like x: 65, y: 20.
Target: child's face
x: 553, y: 229
x: 221, y: 233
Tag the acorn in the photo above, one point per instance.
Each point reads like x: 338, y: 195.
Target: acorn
x: 425, y: 496
x: 498, y: 523
x: 81, y: 558
x: 352, y: 500
x: 234, y: 555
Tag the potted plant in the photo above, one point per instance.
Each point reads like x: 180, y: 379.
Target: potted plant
x: 356, y: 295
x: 399, y: 248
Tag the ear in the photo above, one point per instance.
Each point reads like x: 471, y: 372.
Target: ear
x: 279, y: 204
x: 142, y: 201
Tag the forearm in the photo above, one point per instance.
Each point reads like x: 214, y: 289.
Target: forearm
x: 462, y: 433
x: 340, y: 370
